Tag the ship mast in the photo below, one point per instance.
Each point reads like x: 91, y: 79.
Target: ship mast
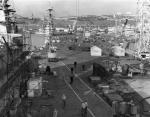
x: 52, y: 50
x: 51, y: 27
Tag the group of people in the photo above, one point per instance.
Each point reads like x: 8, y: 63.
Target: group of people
x: 84, y: 106
x: 73, y: 71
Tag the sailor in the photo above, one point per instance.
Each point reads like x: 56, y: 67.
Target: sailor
x: 130, y: 74
x: 64, y: 100
x: 84, y: 106
x: 8, y: 114
x: 29, y: 114
x: 72, y: 76
x: 75, y: 66
x: 48, y: 70
x: 83, y: 67
x: 82, y: 109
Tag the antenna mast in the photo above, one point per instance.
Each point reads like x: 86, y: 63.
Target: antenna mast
x: 51, y: 26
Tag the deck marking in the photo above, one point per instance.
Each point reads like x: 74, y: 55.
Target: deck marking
x: 88, y: 87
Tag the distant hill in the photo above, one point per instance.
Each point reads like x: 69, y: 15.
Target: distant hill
x: 102, y: 21
x: 20, y: 19
x: 84, y: 21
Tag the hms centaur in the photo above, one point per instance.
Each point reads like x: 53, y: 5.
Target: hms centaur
x: 72, y: 61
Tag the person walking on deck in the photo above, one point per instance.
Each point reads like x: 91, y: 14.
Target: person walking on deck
x: 75, y: 67
x: 48, y: 70
x: 72, y: 76
x: 64, y: 101
x: 84, y: 106
x: 82, y: 109
x: 29, y: 114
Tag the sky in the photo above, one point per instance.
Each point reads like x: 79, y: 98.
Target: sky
x: 68, y: 7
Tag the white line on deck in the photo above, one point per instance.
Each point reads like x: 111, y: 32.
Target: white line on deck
x: 88, y: 86
x: 78, y: 97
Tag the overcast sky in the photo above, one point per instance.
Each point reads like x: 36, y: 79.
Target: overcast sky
x: 68, y: 7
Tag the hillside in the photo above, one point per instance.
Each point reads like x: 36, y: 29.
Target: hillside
x: 102, y: 21
x: 90, y: 20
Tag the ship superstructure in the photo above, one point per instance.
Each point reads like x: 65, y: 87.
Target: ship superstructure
x: 14, y: 47
x: 98, y: 79
x: 51, y: 49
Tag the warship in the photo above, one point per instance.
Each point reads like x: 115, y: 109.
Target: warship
x: 87, y: 64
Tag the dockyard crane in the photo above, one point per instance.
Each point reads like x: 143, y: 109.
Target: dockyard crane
x: 143, y: 19
x: 124, y: 26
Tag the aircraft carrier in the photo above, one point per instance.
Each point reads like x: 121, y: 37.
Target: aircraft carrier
x: 110, y: 72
